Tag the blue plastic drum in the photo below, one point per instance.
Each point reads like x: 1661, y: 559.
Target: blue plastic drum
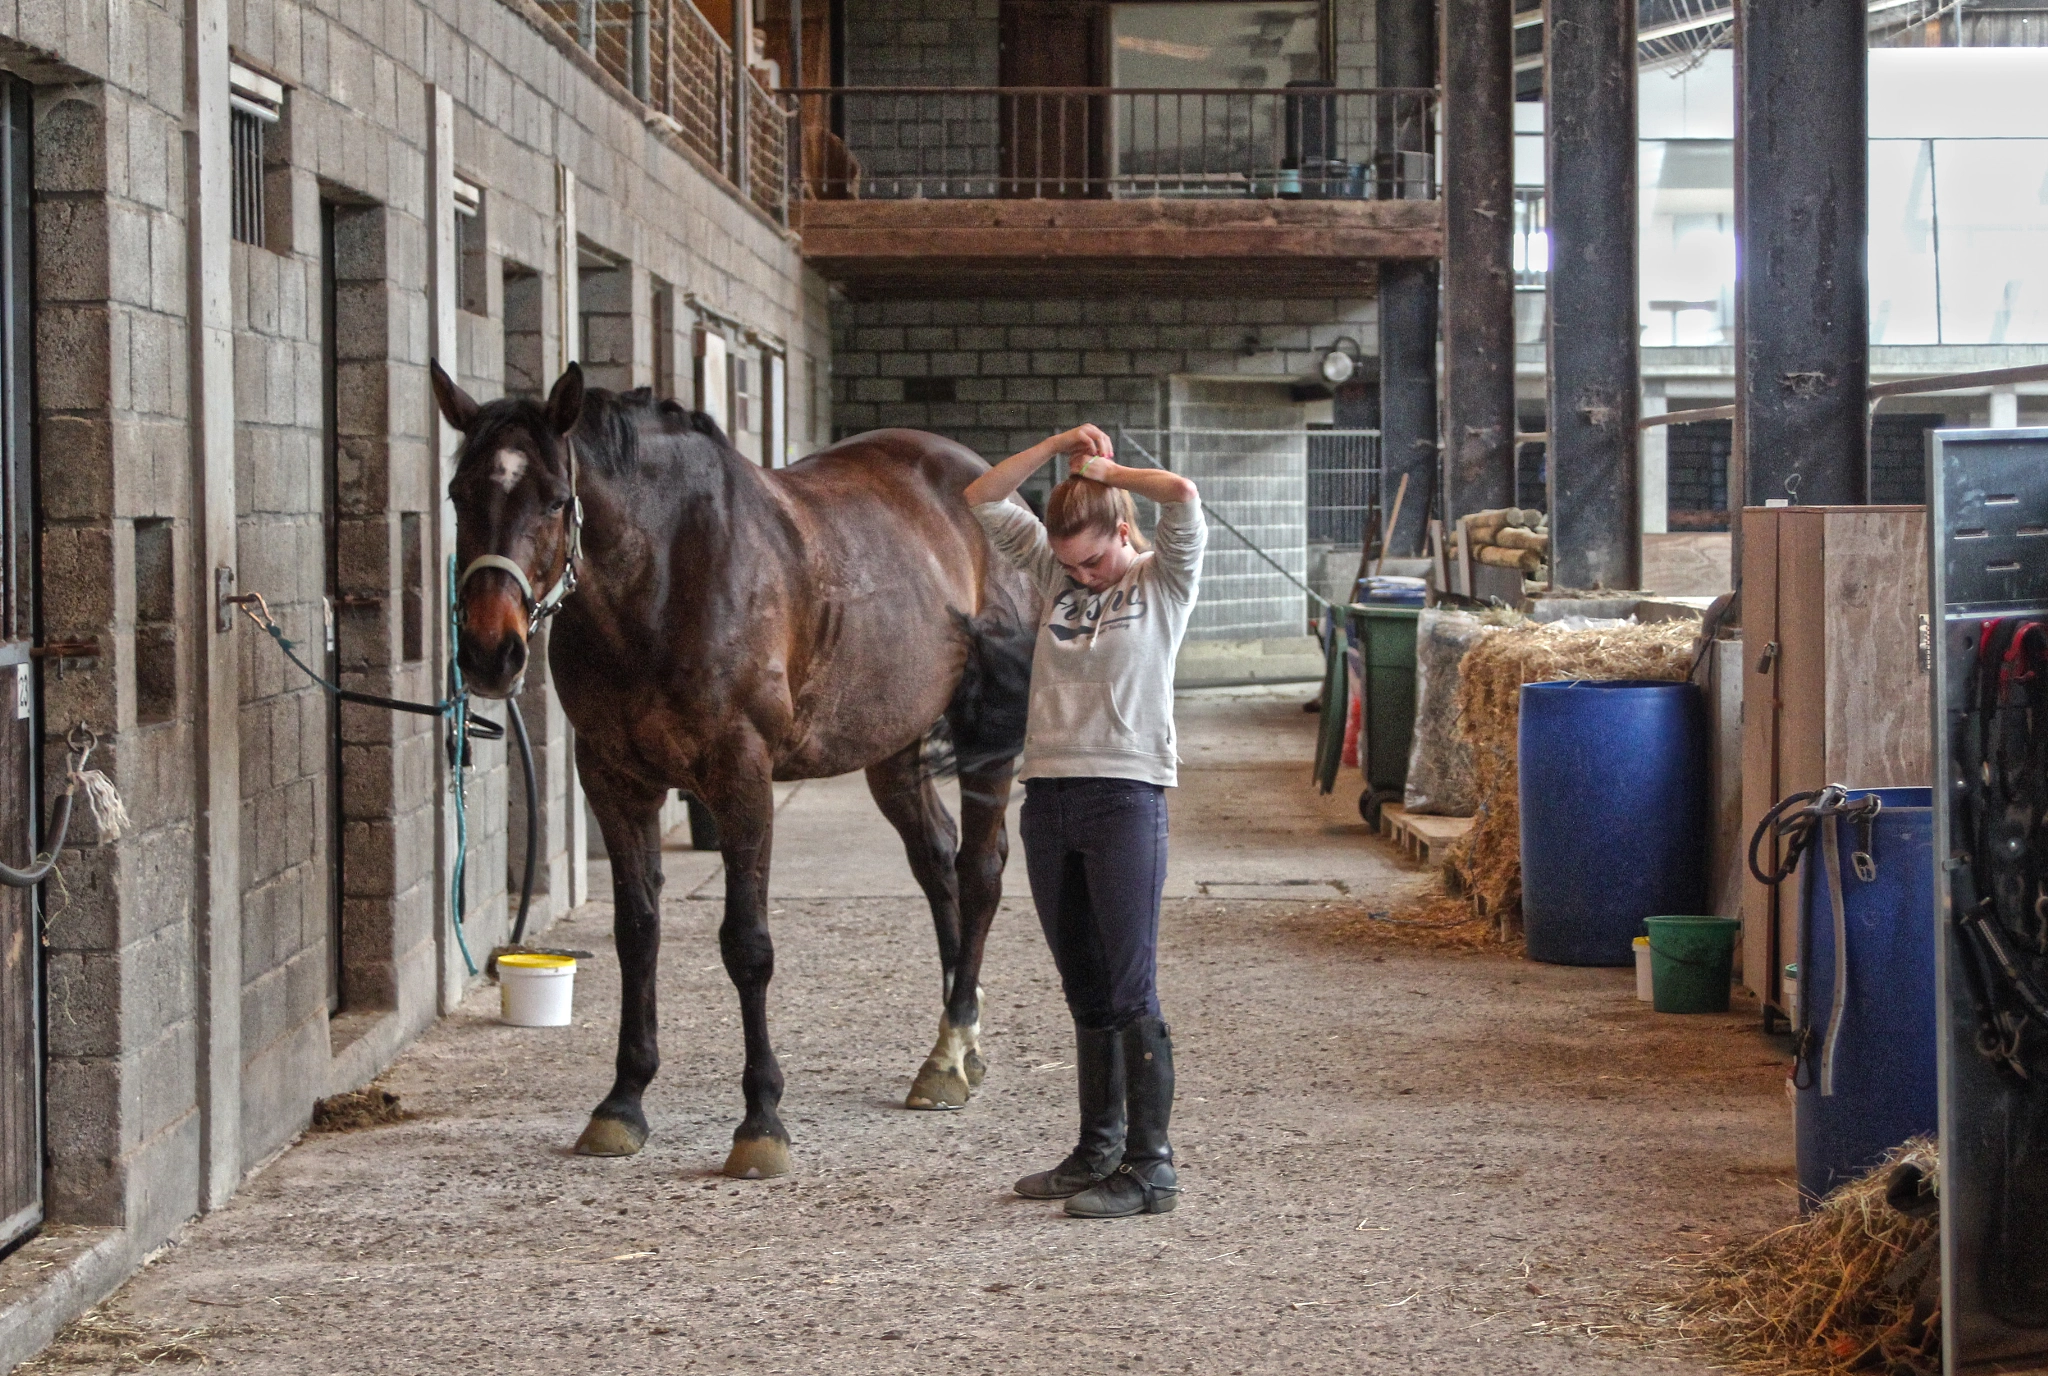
x: 1884, y: 1054
x: 1614, y: 814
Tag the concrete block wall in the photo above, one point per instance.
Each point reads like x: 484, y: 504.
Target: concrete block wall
x: 152, y: 1109
x: 287, y: 722
x: 112, y: 396
x: 1244, y: 445
x: 1018, y: 370
x: 924, y: 43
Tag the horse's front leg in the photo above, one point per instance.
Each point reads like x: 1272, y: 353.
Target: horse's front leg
x: 630, y: 818
x: 745, y: 809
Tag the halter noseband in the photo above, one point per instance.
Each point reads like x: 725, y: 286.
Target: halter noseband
x: 550, y: 602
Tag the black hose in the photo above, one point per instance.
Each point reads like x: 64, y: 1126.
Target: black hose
x: 36, y: 873
x: 532, y: 816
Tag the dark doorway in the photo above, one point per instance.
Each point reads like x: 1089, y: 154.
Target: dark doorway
x: 330, y: 506
x: 21, y: 1048
x: 1054, y: 146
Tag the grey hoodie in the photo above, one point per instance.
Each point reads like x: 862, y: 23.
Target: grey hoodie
x: 1102, y: 671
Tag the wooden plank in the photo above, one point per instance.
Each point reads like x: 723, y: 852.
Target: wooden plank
x: 1802, y: 682
x: 828, y: 247
x: 1877, y: 709
x: 1217, y: 214
x: 1759, y: 734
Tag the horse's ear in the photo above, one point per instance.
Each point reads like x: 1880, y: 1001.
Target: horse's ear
x: 457, y: 405
x: 565, y: 402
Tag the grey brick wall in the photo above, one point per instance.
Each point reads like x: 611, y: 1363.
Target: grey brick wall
x: 923, y: 43
x: 1017, y: 371
x: 116, y: 464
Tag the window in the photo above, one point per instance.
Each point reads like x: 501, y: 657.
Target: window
x: 255, y: 103
x: 472, y: 257
x: 746, y: 395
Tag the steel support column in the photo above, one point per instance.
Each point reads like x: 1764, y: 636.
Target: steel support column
x: 1802, y: 320
x: 1405, y: 31
x: 1590, y: 206
x: 1477, y: 42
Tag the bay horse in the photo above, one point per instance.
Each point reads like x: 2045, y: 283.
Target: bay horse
x: 731, y: 626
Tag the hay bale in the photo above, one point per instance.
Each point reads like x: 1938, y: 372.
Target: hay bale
x: 1486, y: 863
x: 1845, y: 1289
x: 1440, y: 780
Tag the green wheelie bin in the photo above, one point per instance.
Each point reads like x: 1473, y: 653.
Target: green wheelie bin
x: 1386, y: 643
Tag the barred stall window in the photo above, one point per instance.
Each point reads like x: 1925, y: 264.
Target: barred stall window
x: 255, y: 103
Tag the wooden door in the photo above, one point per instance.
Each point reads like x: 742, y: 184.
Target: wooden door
x: 1053, y: 146
x: 21, y: 1050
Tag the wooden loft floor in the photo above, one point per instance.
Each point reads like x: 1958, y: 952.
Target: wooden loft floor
x: 1186, y: 246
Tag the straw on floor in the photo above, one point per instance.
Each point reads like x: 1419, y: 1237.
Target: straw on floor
x: 1845, y: 1289
x: 1485, y: 865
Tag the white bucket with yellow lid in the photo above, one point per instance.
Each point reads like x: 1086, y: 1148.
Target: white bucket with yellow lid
x: 535, y: 990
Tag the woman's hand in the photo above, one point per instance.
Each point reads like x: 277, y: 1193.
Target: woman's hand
x: 1155, y: 483
x: 1006, y: 477
x: 1084, y: 442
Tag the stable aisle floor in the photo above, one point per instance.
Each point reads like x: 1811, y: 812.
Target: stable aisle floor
x: 1394, y: 1159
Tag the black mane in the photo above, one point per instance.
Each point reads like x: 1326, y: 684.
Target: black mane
x: 608, y: 434
x: 608, y: 430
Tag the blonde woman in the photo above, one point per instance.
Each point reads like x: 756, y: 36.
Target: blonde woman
x: 1098, y: 758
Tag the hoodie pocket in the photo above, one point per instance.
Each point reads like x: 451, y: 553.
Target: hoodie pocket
x: 1079, y: 715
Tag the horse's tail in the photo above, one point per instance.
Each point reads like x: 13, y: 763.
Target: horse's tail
x: 984, y: 724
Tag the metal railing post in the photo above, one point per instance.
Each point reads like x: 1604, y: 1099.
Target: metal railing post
x: 586, y: 25
x: 742, y: 49
x: 643, y: 72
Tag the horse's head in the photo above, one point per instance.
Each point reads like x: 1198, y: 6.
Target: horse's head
x: 517, y: 521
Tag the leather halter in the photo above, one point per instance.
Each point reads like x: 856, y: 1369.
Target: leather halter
x: 550, y: 602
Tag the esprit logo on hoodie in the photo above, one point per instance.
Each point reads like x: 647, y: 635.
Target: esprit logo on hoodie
x: 1073, y: 618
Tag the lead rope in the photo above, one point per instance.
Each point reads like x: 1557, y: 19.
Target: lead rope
x: 1831, y: 858
x: 101, y: 800
x: 1794, y: 821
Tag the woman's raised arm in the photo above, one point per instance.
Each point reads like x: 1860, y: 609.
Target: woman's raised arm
x: 1009, y: 475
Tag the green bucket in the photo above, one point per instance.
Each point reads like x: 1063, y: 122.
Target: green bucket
x: 1692, y: 961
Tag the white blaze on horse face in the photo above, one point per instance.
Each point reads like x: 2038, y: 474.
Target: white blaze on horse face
x: 508, y: 466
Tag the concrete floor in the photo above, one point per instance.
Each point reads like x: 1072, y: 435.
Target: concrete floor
x: 1393, y: 1158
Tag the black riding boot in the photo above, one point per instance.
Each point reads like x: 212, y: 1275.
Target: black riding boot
x: 1145, y: 1182
x: 1099, y: 1061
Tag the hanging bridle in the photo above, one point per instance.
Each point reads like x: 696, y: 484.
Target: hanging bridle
x: 540, y: 609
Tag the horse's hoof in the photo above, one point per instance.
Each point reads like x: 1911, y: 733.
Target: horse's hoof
x: 610, y: 1137
x: 977, y: 1069
x: 938, y: 1087
x: 757, y: 1158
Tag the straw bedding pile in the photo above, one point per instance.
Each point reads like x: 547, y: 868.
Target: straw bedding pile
x: 1486, y: 863
x: 1845, y: 1289
x: 371, y: 1107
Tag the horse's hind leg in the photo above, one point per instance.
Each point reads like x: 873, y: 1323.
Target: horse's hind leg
x: 903, y: 789
x: 984, y: 849
x: 630, y: 818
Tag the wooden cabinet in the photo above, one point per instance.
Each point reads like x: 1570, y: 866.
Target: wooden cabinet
x: 1835, y: 683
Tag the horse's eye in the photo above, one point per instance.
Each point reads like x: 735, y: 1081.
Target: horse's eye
x: 555, y: 508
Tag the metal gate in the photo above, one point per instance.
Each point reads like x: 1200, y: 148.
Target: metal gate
x: 21, y: 1051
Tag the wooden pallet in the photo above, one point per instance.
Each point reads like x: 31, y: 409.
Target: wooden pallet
x: 1421, y: 838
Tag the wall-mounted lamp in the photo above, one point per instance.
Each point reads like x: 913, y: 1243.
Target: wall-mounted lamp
x: 1341, y: 361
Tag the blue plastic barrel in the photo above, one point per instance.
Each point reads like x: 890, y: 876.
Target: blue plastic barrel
x: 1614, y: 814
x: 1884, y: 1056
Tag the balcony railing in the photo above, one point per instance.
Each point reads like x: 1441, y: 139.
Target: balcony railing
x: 669, y: 56
x: 1310, y: 142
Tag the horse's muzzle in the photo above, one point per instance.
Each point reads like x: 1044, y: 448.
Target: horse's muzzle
x: 490, y: 646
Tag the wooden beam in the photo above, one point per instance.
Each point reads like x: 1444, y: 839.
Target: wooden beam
x: 1023, y: 230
